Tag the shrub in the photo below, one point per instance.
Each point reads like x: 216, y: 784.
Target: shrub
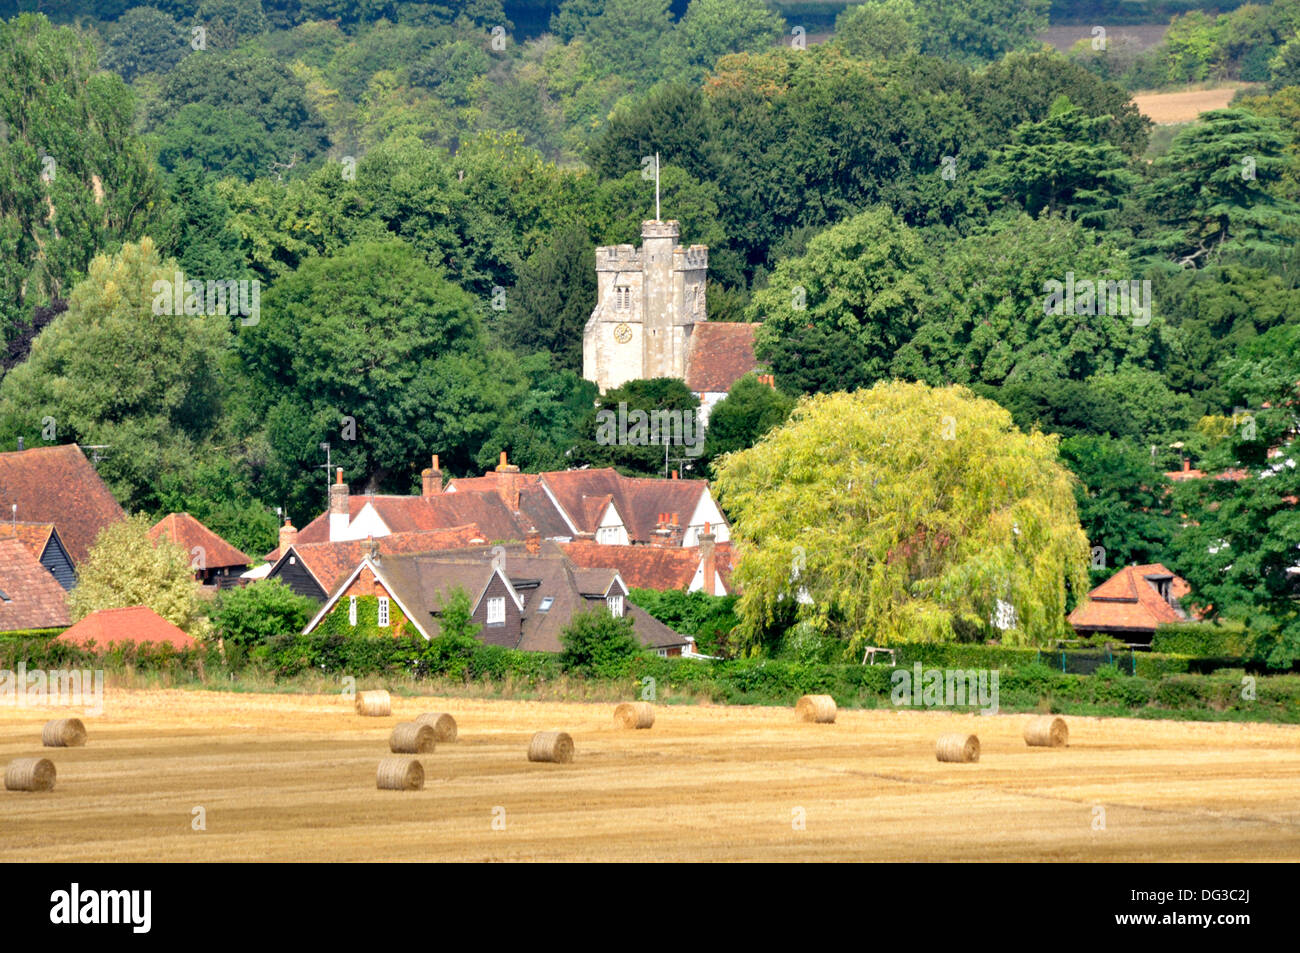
x: 249, y: 615
x: 596, y: 643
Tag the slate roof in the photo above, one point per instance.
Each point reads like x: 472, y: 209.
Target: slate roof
x: 189, y: 534
x: 133, y: 624
x: 30, y: 598
x: 418, y: 581
x: 331, y: 563
x: 58, y: 485
x: 721, y: 353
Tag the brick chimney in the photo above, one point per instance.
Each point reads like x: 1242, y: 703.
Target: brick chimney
x: 431, y: 478
x: 339, y: 513
x: 533, y: 541
x: 508, y: 483
x: 1187, y: 465
x: 674, y: 474
x: 288, y: 536
x: 663, y: 532
x: 708, y: 559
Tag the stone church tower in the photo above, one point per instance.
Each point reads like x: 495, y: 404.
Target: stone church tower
x: 648, y: 301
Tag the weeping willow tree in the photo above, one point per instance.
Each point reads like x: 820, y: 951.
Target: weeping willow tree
x: 904, y: 513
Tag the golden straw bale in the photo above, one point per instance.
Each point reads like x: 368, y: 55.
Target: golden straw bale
x: 376, y: 703
x: 400, y: 774
x: 443, y: 725
x: 818, y: 708
x: 411, y: 738
x: 1048, y: 731
x: 959, y: 747
x: 63, y: 733
x: 634, y: 715
x: 554, y: 746
x: 30, y: 774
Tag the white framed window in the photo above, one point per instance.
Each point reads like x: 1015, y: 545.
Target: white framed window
x: 352, y: 610
x: 383, y: 611
x: 615, y: 604
x: 496, y: 610
x: 547, y: 602
x: 662, y: 653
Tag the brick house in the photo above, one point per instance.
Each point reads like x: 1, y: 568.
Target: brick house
x: 521, y: 596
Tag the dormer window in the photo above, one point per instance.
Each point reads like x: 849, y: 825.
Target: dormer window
x: 615, y: 603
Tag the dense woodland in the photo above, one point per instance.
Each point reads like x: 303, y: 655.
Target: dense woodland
x: 417, y: 187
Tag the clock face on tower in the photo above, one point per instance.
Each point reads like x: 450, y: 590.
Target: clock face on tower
x: 622, y: 334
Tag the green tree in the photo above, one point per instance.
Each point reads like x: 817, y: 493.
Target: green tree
x: 74, y: 179
x: 553, y: 299
x: 738, y: 421
x: 376, y: 336
x: 833, y: 318
x: 250, y: 615
x: 1062, y: 165
x: 1121, y: 501
x: 114, y: 369
x: 901, y: 514
x: 636, y: 426
x: 599, y: 645
x: 195, y: 228
x: 712, y: 28
x: 627, y: 37
x: 1211, y: 194
x: 251, y: 112
x: 879, y: 30
x: 980, y: 29
x: 449, y: 653
x: 144, y: 40
x: 126, y: 568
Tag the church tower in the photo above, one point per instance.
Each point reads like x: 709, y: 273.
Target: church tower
x: 648, y: 300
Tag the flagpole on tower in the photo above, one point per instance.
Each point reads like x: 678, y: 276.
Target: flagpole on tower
x: 656, y: 186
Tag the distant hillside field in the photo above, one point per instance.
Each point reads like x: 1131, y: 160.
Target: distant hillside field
x: 1184, y: 105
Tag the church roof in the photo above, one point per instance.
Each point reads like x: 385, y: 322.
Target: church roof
x: 721, y: 353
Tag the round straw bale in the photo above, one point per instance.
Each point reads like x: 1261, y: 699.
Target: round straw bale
x: 1047, y: 732
x: 818, y: 708
x: 443, y: 725
x: 400, y: 774
x: 63, y: 733
x: 30, y: 774
x: 554, y: 746
x: 634, y: 715
x: 960, y: 748
x: 377, y: 703
x: 411, y: 738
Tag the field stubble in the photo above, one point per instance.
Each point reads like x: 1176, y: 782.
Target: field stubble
x: 292, y: 777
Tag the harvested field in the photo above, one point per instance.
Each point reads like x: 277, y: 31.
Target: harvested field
x: 292, y: 777
x: 1184, y: 105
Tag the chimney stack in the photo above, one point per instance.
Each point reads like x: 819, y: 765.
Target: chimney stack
x: 340, y: 514
x: 708, y: 560
x: 431, y: 478
x: 1187, y: 465
x: 533, y: 541
x: 288, y: 536
x: 508, y: 483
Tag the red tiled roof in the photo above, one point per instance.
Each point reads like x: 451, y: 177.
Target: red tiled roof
x: 721, y: 353
x: 58, y: 485
x: 35, y: 536
x: 649, y: 567
x: 331, y: 563
x: 32, y: 598
x: 1128, y: 601
x: 190, y: 534
x: 582, y: 494
x: 134, y: 624
x: 639, y: 500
